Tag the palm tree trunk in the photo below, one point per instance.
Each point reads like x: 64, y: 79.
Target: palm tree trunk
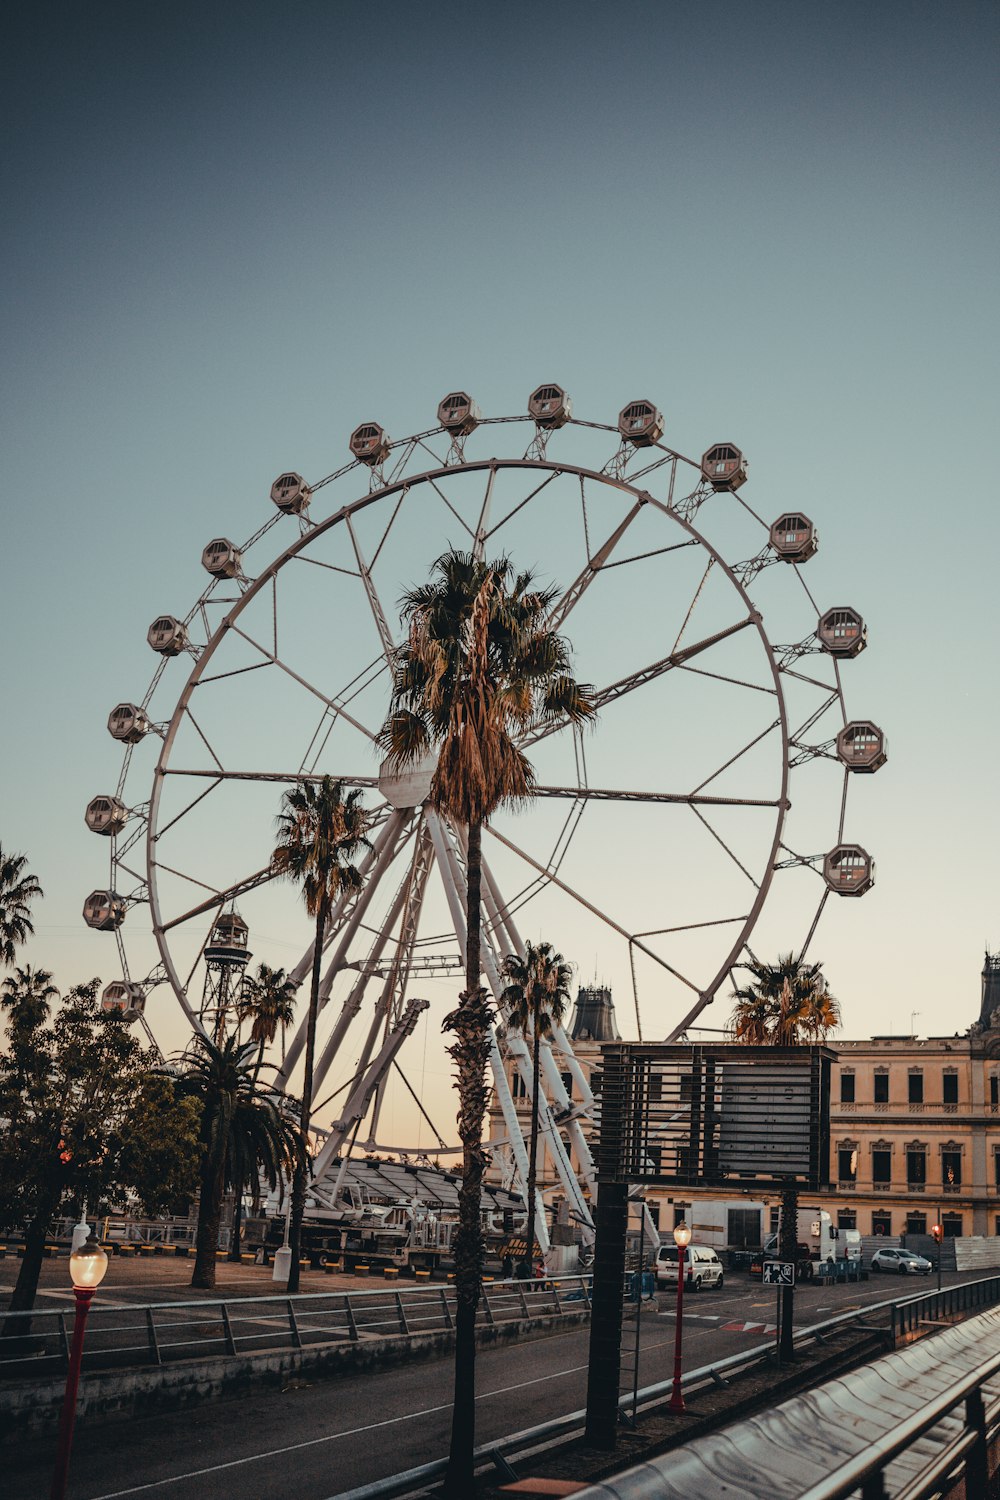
x: 301, y: 1174
x: 470, y: 1051
x: 529, y: 1231
x: 23, y: 1295
x: 236, y: 1239
x: 213, y: 1174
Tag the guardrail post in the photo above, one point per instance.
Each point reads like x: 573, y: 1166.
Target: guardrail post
x: 976, y: 1465
x: 65, y: 1336
x: 555, y: 1293
x: 228, y: 1328
x: 352, y: 1325
x: 487, y: 1308
x: 293, y: 1324
x: 403, y: 1325
x: 449, y: 1321
x: 153, y: 1341
x: 874, y: 1488
x: 524, y: 1300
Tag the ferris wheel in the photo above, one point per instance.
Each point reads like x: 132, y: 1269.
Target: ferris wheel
x: 655, y: 843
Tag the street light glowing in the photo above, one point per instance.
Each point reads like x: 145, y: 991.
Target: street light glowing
x: 682, y: 1236
x: 88, y: 1265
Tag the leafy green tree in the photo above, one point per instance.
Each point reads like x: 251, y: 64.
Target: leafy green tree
x: 88, y: 1118
x: 479, y: 669
x: 786, y: 1004
x: 537, y: 994
x: 320, y: 835
x: 241, y: 1131
x: 18, y: 888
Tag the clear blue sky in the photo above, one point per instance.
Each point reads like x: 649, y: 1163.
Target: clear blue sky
x: 234, y: 231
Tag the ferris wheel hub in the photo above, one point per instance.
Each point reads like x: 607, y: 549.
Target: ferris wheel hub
x: 407, y: 786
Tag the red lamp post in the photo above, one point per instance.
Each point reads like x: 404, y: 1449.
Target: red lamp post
x: 682, y: 1238
x: 87, y: 1267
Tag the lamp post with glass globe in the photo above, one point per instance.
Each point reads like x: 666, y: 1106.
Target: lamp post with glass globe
x: 682, y: 1238
x: 87, y: 1267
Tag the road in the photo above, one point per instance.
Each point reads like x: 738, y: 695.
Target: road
x: 315, y: 1441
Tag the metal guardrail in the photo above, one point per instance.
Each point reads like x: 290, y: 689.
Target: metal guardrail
x: 914, y: 1314
x: 415, y: 1482
x: 36, y: 1343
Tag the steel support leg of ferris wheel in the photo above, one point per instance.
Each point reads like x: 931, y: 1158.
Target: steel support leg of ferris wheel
x: 352, y: 1004
x: 453, y: 894
x: 344, y: 922
x: 503, y: 924
x: 451, y: 874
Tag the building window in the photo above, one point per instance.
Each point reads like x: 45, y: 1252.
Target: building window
x: 952, y: 1226
x: 951, y: 1169
x: 881, y: 1222
x: 882, y: 1167
x: 949, y: 1088
x: 847, y: 1163
x: 996, y: 1168
x: 518, y: 1087
x: 916, y: 1223
x: 881, y: 1088
x: 596, y: 1081
x: 994, y: 1089
x: 654, y: 1213
x: 916, y: 1167
x: 847, y: 1218
x: 567, y: 1079
x: 847, y: 1088
x: 915, y: 1088
x: 774, y: 1220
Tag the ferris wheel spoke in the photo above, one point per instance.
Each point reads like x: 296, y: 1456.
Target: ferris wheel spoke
x: 286, y: 777
x: 589, y: 906
x: 734, y: 758
x: 216, y: 782
x: 564, y: 607
x: 620, y: 794
x: 444, y: 498
x: 692, y: 926
x: 202, y: 736
x: 231, y: 893
x: 374, y: 602
x: 656, y: 669
x: 304, y: 682
x: 722, y: 843
x: 488, y: 535
x: 755, y: 687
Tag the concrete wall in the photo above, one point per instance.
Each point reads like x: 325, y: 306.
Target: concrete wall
x: 33, y: 1406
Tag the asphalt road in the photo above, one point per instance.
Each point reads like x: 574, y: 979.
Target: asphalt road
x: 318, y: 1440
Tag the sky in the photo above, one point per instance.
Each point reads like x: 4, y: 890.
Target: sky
x: 234, y: 232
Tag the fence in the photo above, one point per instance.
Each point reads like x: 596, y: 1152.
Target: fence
x: 37, y: 1343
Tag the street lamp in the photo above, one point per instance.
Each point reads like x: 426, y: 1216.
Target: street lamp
x: 87, y: 1267
x: 682, y: 1238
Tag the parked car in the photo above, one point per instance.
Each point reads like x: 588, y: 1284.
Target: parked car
x: 904, y: 1262
x: 702, y: 1267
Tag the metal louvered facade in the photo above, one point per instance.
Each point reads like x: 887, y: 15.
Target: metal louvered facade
x: 715, y: 1116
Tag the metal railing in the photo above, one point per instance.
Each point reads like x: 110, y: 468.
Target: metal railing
x: 37, y: 1343
x: 916, y: 1314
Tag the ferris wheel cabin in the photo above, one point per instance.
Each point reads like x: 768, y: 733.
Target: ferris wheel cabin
x: 459, y: 414
x: 128, y: 722
x: 106, y: 815
x: 724, y: 467
x: 849, y: 870
x: 550, y: 407
x: 794, y: 539
x: 128, y: 999
x: 842, y: 633
x: 861, y: 746
x: 104, y: 910
x: 370, y: 444
x: 222, y: 559
x: 640, y: 424
x: 291, y: 494
x: 167, y: 635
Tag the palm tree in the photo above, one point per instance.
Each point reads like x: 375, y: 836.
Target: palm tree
x: 786, y: 1004
x: 320, y: 833
x: 479, y: 668
x: 537, y: 994
x: 267, y: 1002
x: 17, y: 890
x: 242, y: 1132
x: 26, y: 996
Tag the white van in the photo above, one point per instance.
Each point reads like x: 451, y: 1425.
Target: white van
x: 702, y: 1267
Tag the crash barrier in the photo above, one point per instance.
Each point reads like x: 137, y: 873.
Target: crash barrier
x: 916, y: 1315
x: 524, y: 1446
x: 37, y: 1343
x: 922, y: 1422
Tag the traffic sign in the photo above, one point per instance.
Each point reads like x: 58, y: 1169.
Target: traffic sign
x: 779, y: 1273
